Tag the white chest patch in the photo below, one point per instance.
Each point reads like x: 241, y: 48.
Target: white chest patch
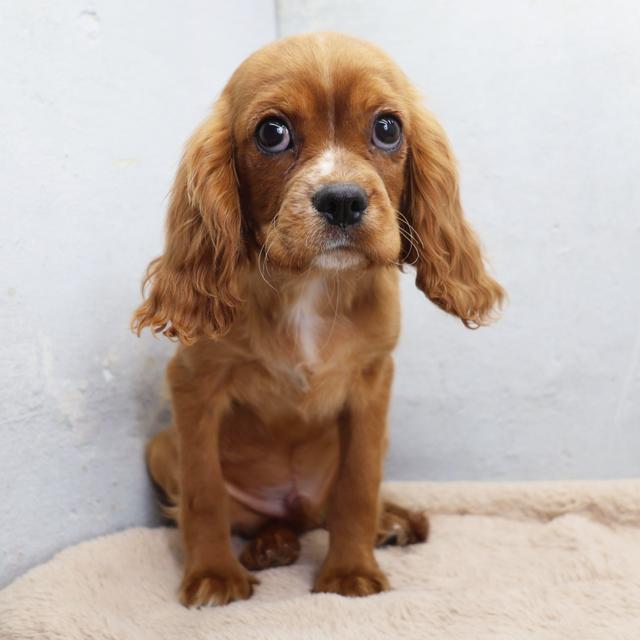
x: 305, y: 320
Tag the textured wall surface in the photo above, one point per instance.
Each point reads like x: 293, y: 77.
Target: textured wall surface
x: 97, y: 101
x: 541, y: 102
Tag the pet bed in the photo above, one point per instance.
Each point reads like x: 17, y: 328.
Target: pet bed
x: 540, y: 560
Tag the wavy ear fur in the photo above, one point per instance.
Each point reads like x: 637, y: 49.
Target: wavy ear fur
x: 445, y: 251
x: 191, y: 289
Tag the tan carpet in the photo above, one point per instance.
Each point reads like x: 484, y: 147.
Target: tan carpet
x: 554, y: 560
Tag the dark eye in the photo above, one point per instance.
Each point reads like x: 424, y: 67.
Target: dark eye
x: 272, y: 135
x: 387, y: 133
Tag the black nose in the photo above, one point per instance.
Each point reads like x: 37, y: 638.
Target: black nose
x: 341, y: 203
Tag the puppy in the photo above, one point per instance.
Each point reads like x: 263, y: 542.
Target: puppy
x: 318, y: 175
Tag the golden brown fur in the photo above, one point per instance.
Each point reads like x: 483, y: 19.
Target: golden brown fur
x: 281, y: 383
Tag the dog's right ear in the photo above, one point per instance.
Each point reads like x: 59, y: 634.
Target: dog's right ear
x: 191, y: 289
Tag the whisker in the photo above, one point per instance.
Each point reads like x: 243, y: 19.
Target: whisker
x: 263, y: 255
x: 408, y: 238
x: 411, y: 228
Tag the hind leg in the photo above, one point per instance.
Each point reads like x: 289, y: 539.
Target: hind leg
x: 161, y: 456
x: 400, y: 526
x: 276, y: 545
x: 162, y: 464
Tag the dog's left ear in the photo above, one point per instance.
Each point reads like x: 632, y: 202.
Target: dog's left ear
x: 445, y: 251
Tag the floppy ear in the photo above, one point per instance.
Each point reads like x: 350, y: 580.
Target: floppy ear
x: 191, y: 289
x: 445, y: 251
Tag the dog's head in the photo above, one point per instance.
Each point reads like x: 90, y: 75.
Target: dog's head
x: 318, y: 155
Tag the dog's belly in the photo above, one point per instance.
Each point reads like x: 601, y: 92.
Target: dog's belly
x: 268, y: 501
x: 282, y: 501
x: 290, y: 481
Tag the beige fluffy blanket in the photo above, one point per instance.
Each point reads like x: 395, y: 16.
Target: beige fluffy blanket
x: 553, y: 560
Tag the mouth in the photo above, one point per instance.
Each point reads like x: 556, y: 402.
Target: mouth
x: 339, y: 258
x: 338, y: 243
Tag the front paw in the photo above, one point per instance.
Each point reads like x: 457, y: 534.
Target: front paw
x: 207, y: 587
x: 355, y: 583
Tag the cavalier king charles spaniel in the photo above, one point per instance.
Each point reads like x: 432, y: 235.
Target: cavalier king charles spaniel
x: 316, y: 178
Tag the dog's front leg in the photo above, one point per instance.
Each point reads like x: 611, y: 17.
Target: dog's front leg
x: 350, y: 568
x: 212, y: 575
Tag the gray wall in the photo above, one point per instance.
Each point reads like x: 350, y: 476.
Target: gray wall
x: 96, y: 106
x: 541, y: 101
x: 542, y: 104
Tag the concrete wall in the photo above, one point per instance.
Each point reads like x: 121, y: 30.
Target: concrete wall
x: 98, y: 98
x: 542, y: 102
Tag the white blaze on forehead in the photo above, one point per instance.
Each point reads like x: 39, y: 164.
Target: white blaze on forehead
x: 326, y: 163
